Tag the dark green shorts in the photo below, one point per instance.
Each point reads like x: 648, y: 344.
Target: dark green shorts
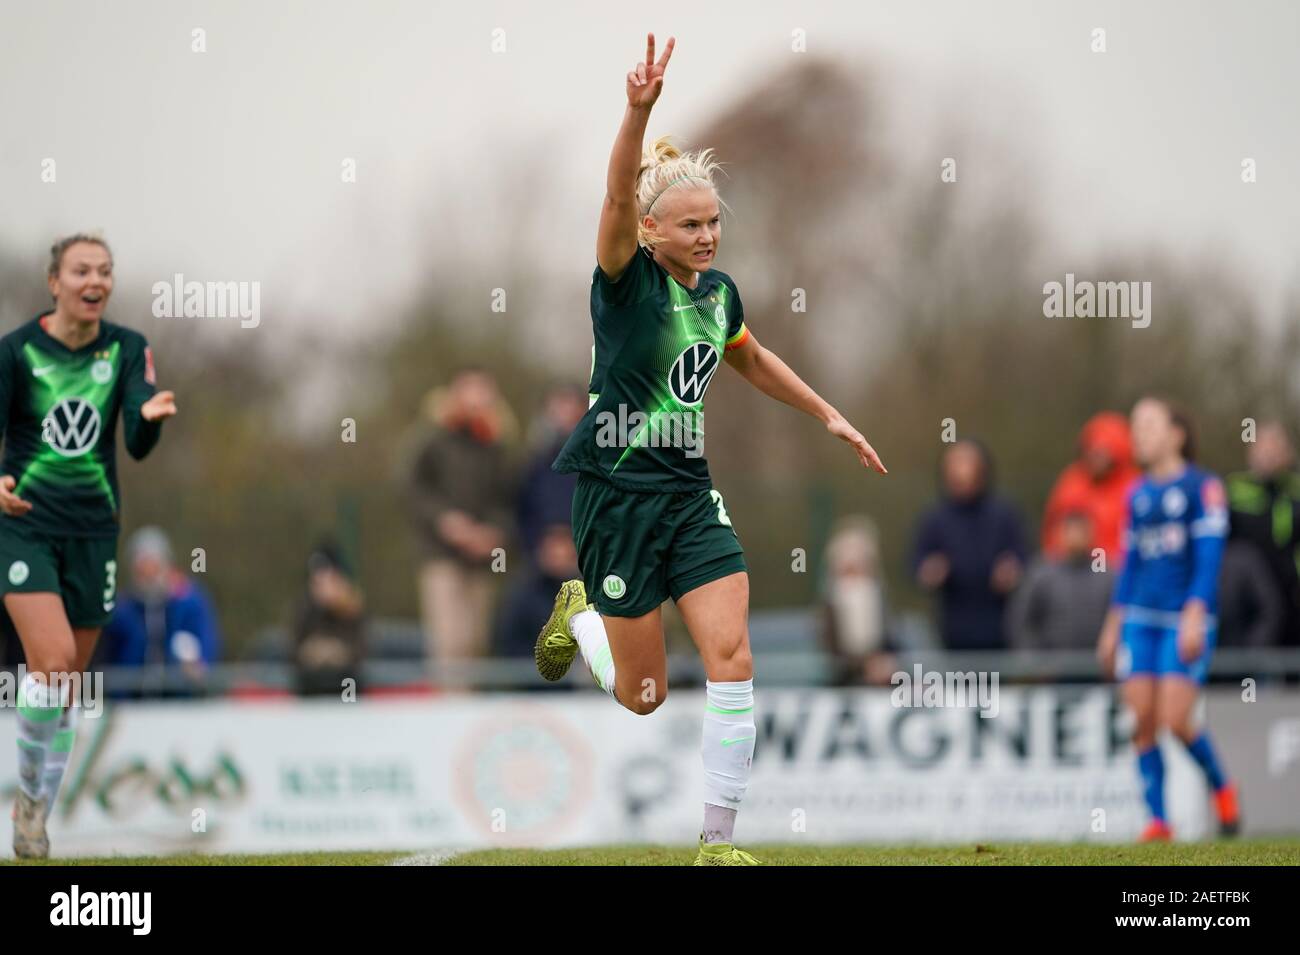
x: 83, y: 570
x: 636, y: 548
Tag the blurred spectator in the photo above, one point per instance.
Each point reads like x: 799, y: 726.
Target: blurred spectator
x: 1250, y: 605
x: 854, y: 616
x: 530, y: 602
x: 970, y: 550
x: 1264, y: 513
x: 164, y: 620
x: 1062, y: 603
x: 459, y: 492
x: 546, y: 497
x: 1097, y: 483
x: 329, y: 625
x: 544, y: 512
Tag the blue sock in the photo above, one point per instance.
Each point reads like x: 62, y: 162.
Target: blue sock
x: 1152, y: 767
x: 1203, y: 752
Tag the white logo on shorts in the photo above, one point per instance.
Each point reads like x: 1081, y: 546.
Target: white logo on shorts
x: 19, y: 572
x: 1123, y: 662
x: 614, y: 587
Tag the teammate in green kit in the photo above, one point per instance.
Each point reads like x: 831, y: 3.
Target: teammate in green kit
x: 65, y: 377
x: 647, y: 522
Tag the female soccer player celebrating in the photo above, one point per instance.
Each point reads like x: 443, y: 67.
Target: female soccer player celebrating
x: 64, y: 378
x: 1160, y: 632
x: 647, y: 523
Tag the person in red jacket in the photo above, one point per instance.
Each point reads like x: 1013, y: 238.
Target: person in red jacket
x: 1095, y: 483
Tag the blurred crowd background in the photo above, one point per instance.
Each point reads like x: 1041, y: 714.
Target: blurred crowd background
x: 488, y: 523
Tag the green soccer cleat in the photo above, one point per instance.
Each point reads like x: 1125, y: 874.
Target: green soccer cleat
x: 30, y: 840
x: 556, y: 646
x: 723, y: 853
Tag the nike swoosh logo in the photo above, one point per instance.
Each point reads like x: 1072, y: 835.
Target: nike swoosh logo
x: 739, y: 739
x: 38, y: 372
x: 682, y: 308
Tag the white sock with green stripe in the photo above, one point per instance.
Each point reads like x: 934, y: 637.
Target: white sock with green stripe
x: 728, y: 752
x: 38, y: 721
x: 589, y: 630
x: 56, y: 759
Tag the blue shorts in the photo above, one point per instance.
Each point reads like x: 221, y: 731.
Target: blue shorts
x: 1147, y: 648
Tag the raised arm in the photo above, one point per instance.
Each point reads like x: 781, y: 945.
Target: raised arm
x: 616, y: 238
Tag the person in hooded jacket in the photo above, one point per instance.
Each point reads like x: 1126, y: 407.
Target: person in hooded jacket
x: 1096, y: 483
x: 970, y: 551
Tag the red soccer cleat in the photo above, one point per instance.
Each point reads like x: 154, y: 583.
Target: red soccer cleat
x: 1228, y: 809
x: 1157, y: 830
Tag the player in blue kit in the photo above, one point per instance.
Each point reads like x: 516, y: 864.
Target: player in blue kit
x: 1161, y: 628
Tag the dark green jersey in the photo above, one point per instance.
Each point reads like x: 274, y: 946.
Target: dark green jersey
x: 58, y: 418
x: 658, y: 345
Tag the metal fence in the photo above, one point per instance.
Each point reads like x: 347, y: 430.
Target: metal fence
x: 787, y: 653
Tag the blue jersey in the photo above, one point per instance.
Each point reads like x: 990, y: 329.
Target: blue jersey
x: 1173, y: 545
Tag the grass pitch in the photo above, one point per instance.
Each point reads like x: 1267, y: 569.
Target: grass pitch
x: 1273, y: 852
x: 1244, y: 852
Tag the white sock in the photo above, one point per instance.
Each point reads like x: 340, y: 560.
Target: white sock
x: 56, y: 758
x: 38, y: 721
x: 719, y: 824
x: 728, y: 752
x: 589, y: 630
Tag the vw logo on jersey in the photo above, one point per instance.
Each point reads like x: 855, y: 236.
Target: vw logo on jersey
x: 720, y: 316
x: 1174, y: 502
x: 101, y: 372
x: 19, y: 572
x: 72, y: 427
x: 692, y: 371
x: 614, y: 587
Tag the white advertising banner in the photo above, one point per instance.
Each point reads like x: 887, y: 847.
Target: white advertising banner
x: 572, y: 768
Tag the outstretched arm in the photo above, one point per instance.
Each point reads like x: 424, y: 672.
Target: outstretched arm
x: 616, y: 238
x: 770, y: 375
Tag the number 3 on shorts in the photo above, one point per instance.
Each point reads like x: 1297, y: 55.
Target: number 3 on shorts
x: 110, y: 579
x: 722, y: 510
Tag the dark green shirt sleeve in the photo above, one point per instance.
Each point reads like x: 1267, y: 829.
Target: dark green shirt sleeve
x: 8, y: 370
x: 736, y: 321
x: 138, y: 387
x: 634, y: 282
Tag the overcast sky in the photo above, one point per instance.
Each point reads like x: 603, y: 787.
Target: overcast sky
x: 226, y: 164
